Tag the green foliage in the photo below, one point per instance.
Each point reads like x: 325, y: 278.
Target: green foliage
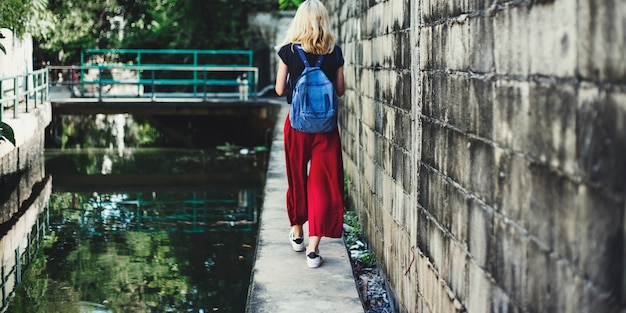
x: 148, y: 24
x: 6, y: 133
x: 355, y: 232
x: 368, y: 258
x: 289, y: 4
x: 26, y: 16
x: 4, y: 50
x: 22, y: 16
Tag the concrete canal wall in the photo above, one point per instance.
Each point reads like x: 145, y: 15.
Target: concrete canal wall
x: 22, y: 165
x: 484, y: 145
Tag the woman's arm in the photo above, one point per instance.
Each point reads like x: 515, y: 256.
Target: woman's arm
x: 281, y: 78
x: 339, y: 82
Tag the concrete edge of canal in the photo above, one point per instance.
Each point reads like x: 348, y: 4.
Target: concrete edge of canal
x: 281, y: 280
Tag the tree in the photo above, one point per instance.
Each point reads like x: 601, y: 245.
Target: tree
x: 148, y: 24
x: 25, y: 16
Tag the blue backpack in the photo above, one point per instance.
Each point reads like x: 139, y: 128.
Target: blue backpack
x: 314, y: 103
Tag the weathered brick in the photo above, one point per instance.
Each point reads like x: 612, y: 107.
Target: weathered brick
x: 481, y: 44
x: 458, y: 164
x: 541, y: 279
x: 502, y: 303
x: 481, y: 107
x: 511, y: 114
x: 552, y: 39
x: 552, y: 125
x: 480, y: 234
x: 601, y: 137
x: 478, y: 5
x: 568, y: 287
x: 459, y: 203
x: 439, y: 39
x: 426, y: 57
x: 601, y: 44
x: 456, y: 46
x: 455, y: 99
x: 482, y: 172
x: 456, y: 275
x: 511, y: 40
x: 513, y: 190
x: 511, y: 261
x: 480, y: 290
x: 600, y: 236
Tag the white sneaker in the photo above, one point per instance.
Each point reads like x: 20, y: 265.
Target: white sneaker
x: 296, y: 243
x: 313, y: 259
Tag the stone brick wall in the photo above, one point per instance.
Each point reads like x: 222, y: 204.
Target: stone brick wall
x: 485, y: 147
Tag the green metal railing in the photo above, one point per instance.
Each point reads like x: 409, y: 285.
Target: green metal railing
x: 169, y: 57
x: 154, y: 81
x: 19, y: 92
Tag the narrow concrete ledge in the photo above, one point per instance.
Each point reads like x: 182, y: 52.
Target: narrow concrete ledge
x: 26, y: 125
x: 281, y: 280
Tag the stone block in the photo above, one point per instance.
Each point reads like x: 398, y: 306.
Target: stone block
x: 481, y: 107
x: 480, y: 235
x: 438, y: 43
x: 481, y: 44
x: 601, y: 44
x: 459, y: 166
x: 426, y: 56
x: 369, y: 109
x: 600, y: 236
x: 514, y: 187
x: 511, y: 40
x: 480, y: 290
x: 459, y: 203
x: 456, y: 48
x: 601, y: 137
x: 568, y: 288
x: 423, y: 225
x: 511, y: 263
x: 552, y: 126
x: 403, y: 92
x: 511, y: 114
x: 456, y: 275
x: 454, y: 98
x: 437, y: 107
x: 431, y: 196
x: 540, y: 290
x: 478, y: 5
x: 565, y: 230
x: 553, y: 39
x: 429, y: 131
x: 502, y: 303
x: 483, y: 175
x: 402, y: 52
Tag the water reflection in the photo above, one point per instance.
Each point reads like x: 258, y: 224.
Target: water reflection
x: 144, y: 229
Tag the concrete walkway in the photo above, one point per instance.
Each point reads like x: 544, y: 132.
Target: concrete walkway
x: 281, y: 280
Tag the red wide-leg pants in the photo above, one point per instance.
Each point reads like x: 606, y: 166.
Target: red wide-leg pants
x: 315, y: 195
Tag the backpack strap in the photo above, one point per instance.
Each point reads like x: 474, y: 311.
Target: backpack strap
x: 303, y: 57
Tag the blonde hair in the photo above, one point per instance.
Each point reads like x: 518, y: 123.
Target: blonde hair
x: 310, y: 28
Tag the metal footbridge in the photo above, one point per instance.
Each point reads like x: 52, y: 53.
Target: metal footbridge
x: 136, y: 80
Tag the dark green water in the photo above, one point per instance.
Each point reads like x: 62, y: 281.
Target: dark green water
x: 156, y: 225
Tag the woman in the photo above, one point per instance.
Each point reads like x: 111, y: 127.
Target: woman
x: 315, y: 191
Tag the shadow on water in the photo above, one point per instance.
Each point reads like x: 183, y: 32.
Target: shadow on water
x: 146, y: 215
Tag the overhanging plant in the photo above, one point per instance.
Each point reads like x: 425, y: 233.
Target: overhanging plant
x: 6, y: 133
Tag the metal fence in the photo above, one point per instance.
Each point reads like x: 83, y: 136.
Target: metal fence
x: 22, y: 92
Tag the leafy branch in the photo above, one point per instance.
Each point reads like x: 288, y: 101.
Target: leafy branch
x: 289, y: 4
x: 6, y: 133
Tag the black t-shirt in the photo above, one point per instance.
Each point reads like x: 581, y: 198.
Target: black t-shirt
x: 295, y: 66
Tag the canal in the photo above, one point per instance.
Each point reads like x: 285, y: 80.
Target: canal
x: 146, y: 214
